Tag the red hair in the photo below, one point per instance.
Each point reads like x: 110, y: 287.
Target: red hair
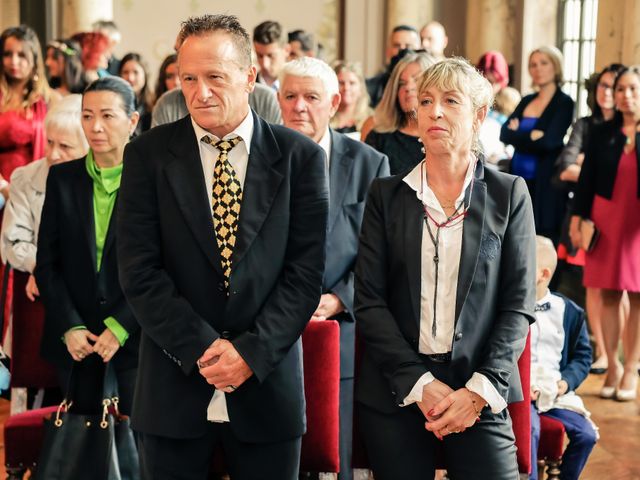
x: 494, y: 62
x: 94, y: 45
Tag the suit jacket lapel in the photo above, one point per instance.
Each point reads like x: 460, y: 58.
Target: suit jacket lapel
x: 185, y: 176
x: 260, y: 187
x: 84, y: 200
x: 340, y: 166
x: 413, y: 218
x: 471, y: 237
x: 111, y: 231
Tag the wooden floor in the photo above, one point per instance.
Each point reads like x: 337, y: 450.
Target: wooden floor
x: 615, y: 457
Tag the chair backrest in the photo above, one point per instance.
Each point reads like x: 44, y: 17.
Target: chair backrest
x: 521, y: 412
x: 28, y: 368
x: 321, y: 357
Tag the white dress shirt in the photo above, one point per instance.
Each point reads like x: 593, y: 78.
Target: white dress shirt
x: 239, y: 159
x: 325, y: 144
x: 22, y: 213
x: 547, y: 333
x: 449, y: 252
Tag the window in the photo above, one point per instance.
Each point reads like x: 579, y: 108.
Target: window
x: 578, y: 22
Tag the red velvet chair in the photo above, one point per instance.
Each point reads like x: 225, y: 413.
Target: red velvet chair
x: 321, y: 363
x: 520, y: 415
x: 551, y: 447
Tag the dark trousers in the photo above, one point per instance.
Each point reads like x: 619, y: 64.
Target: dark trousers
x: 163, y: 458
x: 400, y: 448
x: 582, y: 438
x: 88, y: 394
x: 346, y: 428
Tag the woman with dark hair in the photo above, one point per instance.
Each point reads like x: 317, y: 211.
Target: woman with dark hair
x: 76, y: 263
x: 569, y: 163
x: 24, y: 95
x: 134, y: 70
x: 396, y: 126
x: 608, y: 194
x: 64, y: 66
x: 536, y: 129
x: 168, y: 77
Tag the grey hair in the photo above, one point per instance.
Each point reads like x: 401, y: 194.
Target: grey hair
x: 312, y: 67
x: 65, y: 115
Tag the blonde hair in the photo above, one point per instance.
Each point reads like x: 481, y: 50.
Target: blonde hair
x: 546, y: 256
x: 556, y: 58
x: 362, y: 110
x: 388, y: 116
x: 506, y: 101
x: 458, y: 74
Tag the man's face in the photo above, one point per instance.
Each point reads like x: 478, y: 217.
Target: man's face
x: 306, y: 106
x: 271, y: 58
x: 434, y: 40
x: 215, y: 84
x: 401, y: 40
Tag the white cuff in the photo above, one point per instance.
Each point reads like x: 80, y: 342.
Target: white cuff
x: 482, y: 386
x: 217, y: 409
x: 415, y: 395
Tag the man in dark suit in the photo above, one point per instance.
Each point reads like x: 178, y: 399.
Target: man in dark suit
x: 308, y: 99
x: 221, y: 301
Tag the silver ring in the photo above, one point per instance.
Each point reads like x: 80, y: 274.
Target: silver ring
x: 232, y: 387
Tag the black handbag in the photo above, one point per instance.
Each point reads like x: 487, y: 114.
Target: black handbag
x: 79, y: 446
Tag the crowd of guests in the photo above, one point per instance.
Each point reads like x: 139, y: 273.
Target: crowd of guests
x: 443, y: 312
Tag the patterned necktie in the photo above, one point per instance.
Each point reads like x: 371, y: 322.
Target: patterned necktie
x: 227, y: 197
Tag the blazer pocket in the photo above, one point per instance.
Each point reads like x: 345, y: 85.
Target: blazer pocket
x: 490, y: 246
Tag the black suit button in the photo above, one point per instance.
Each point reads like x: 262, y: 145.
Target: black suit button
x: 221, y: 287
x: 226, y: 334
x: 102, y: 301
x: 458, y: 336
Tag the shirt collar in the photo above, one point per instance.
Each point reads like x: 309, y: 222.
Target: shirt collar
x: 325, y: 143
x: 547, y: 298
x: 244, y: 131
x: 108, y: 178
x: 415, y: 182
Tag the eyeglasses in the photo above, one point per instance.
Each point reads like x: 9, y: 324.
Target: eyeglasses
x: 605, y: 86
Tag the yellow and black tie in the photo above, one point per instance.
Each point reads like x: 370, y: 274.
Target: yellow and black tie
x: 227, y: 197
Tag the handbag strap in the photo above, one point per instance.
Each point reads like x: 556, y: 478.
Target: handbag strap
x: 105, y: 375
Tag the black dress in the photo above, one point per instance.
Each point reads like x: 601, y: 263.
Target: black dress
x: 404, y: 151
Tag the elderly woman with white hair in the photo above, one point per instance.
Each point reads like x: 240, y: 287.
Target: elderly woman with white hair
x: 65, y: 141
x: 444, y: 296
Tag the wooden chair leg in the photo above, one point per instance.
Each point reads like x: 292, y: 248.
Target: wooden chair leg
x: 553, y: 469
x: 15, y: 473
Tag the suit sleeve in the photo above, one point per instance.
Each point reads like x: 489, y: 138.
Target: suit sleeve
x: 399, y: 363
x: 52, y: 286
x: 579, y: 354
x: 586, y: 189
x: 296, y: 294
x: 516, y: 293
x: 162, y: 312
x: 344, y: 289
x: 574, y: 147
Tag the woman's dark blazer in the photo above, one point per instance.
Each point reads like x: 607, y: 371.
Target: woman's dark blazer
x: 72, y: 290
x: 495, y: 295
x: 549, y: 203
x: 600, y: 167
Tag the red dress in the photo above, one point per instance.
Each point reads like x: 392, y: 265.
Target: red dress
x: 614, y: 262
x: 22, y: 137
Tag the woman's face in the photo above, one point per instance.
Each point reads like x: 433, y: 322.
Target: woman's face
x: 604, y: 91
x: 133, y: 73
x: 17, y: 60
x: 63, y: 145
x: 54, y: 63
x: 408, y: 88
x: 541, y: 69
x: 627, y: 94
x: 105, y: 122
x: 447, y: 120
x: 172, y: 80
x: 349, y: 87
